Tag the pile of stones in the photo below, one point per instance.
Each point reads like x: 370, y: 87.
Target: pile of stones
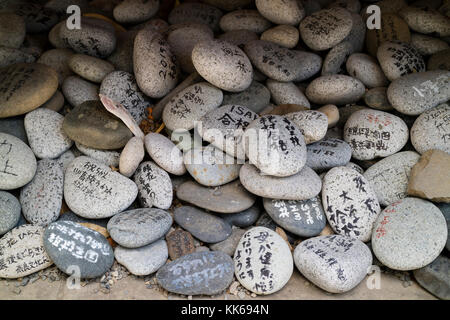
x: 217, y: 144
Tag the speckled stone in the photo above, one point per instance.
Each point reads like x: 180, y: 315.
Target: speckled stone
x: 312, y: 123
x: 409, y: 234
x: 308, y: 64
x: 439, y: 61
x: 366, y: 69
x: 77, y: 91
x: 122, y: 57
x: 335, y: 89
x: 376, y: 98
x: 229, y: 245
x: 283, y: 35
x: 301, y: 186
x: 41, y: 199
x: 328, y: 153
x: 12, y: 30
x: 10, y: 56
x: 131, y: 156
x: 45, y: 134
x: 286, y: 93
x: 289, y: 12
x: 37, y: 18
x: 256, y: 97
x: 427, y: 45
x: 435, y: 277
x: 426, y: 21
x: 334, y: 263
x: 139, y: 227
x: 135, y: 11
x: 250, y: 20
x: 107, y: 157
x: 336, y: 57
x: 9, y: 212
x: 90, y: 68
x: 165, y: 153
x: 263, y: 261
x: 373, y: 133
x: 196, y: 13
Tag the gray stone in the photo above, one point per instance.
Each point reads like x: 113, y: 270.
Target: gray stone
x: 107, y: 157
x: 207, y: 273
x: 122, y: 57
x: 75, y: 248
x: 9, y: 212
x: 435, y: 277
x: 165, y: 153
x: 196, y: 13
x: 445, y: 209
x: 239, y: 37
x: 426, y: 21
x: 334, y: 263
x: 312, y: 123
x: 336, y: 57
x: 409, y: 234
x: 90, y: 68
x: 256, y: 97
x: 250, y: 20
x: 9, y: 56
x: 243, y: 219
x: 14, y: 126
x: 289, y: 12
x: 135, y: 11
x: 427, y: 45
x: 229, y: 245
x: 335, y: 89
x: 77, y: 91
x: 139, y: 227
x: 12, y: 30
x: 328, y: 153
x: 70, y: 216
x: 376, y: 98
x: 286, y: 93
x: 58, y: 60
x: 366, y: 69
x: 37, y: 18
x: 308, y: 64
x: 131, y: 156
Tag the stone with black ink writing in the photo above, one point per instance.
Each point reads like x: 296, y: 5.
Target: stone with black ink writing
x: 283, y: 35
x: 22, y: 252
x: 179, y: 243
x: 328, y: 153
x: 431, y: 130
x: 256, y: 97
x: 426, y: 21
x: 409, y: 234
x: 335, y: 89
x: 334, y: 263
x: 24, y: 87
x: 389, y: 177
x: 37, y: 18
x: 263, y: 261
x: 366, y: 69
x: 12, y: 30
x: 266, y: 221
x: 202, y: 225
x: 154, y: 185
x: 223, y: 127
x: 10, y: 56
x: 376, y: 98
x: 244, y: 218
x: 223, y: 64
x: 139, y: 227
x: 276, y: 145
x: 303, y: 185
x: 439, y: 61
x: 41, y: 199
x: 92, y: 190
x: 229, y: 244
x: 90, y: 68
x: 190, y: 104
x: 92, y: 125
x: 95, y: 38
x: 398, y: 59
x: 66, y: 158
x: 435, y: 277
x: 324, y: 29
x: 165, y: 153
x: 135, y: 11
x: 77, y: 91
x: 427, y: 45
x: 46, y: 136
x: 283, y: 12
x: 17, y: 162
x: 350, y: 203
x: 312, y: 123
x: 196, y: 13
x: 199, y: 273
x: 334, y: 62
x: 304, y: 218
x: 250, y: 20
x: 210, y: 166
x: 286, y: 93
x: 108, y: 157
x: 9, y: 212
x: 274, y: 61
x: 78, y: 250
x: 155, y: 66
x: 372, y: 134
x: 228, y: 198
x: 355, y: 167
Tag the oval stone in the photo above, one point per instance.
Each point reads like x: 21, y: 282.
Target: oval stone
x: 196, y: 13
x: 256, y: 97
x: 283, y: 35
x: 289, y: 12
x: 165, y: 153
x: 250, y: 20
x: 335, y: 89
x: 376, y: 98
x: 245, y: 218
x: 9, y: 212
x: 286, y: 93
x: 366, y: 69
x: 77, y: 91
x: 90, y: 68
x: 135, y: 11
x: 313, y: 124
x: 328, y: 153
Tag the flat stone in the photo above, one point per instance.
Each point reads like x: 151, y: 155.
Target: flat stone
x: 91, y: 257
x: 328, y: 153
x: 93, y: 190
x: 263, y: 261
x: 196, y: 13
x: 366, y: 69
x: 286, y: 93
x: 373, y: 133
x: 335, y: 89
x: 41, y: 199
x: 9, y: 212
x: 58, y: 60
x: 17, y: 162
x: 334, y: 263
x: 435, y: 277
x: 409, y: 234
x: 245, y: 218
x: 301, y: 186
x: 139, y: 227
x: 92, y: 125
x: 304, y: 218
x: 90, y: 68
x: 250, y: 20
x: 16, y: 259
x: 312, y: 123
x: 107, y: 157
x: 288, y: 12
x: 206, y: 273
x: 78, y: 91
x: 389, y: 177
x: 350, y: 203
x: 229, y: 198
x: 165, y: 153
x: 179, y: 243
x: 229, y: 245
x: 430, y: 177
x: 202, y: 225
x: 24, y: 87
x: 70, y: 216
x: 154, y: 185
x: 135, y: 11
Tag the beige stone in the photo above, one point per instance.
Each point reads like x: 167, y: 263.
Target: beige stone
x: 332, y: 113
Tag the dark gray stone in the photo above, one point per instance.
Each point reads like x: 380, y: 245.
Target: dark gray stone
x: 435, y: 277
x: 445, y: 209
x: 9, y: 212
x: 15, y: 127
x: 243, y: 219
x: 327, y: 154
x: 266, y: 221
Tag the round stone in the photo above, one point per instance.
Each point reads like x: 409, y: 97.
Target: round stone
x: 373, y: 133
x: 351, y: 203
x: 196, y: 13
x: 190, y: 104
x: 286, y: 93
x: 328, y: 153
x: 229, y: 198
x: 90, y: 68
x: 139, y: 227
x: 199, y: 273
x: 335, y: 89
x: 9, y: 212
x: 12, y: 30
x: 202, y: 225
x: 334, y: 263
x: 301, y: 186
x: 376, y: 98
x: 45, y: 133
x: 366, y: 69
x: 92, y: 190
x: 41, y: 199
x: 283, y: 35
x: 144, y: 260
x: 409, y: 234
x: 17, y: 162
x: 154, y: 185
x: 250, y: 20
x: 135, y: 11
x: 92, y: 125
x: 289, y: 12
x: 24, y: 87
x: 313, y: 124
x: 78, y: 91
x: 324, y: 29
x: 430, y: 130
x: 263, y: 261
x: 415, y: 93
x: 74, y: 247
x: 165, y: 153
x: 304, y: 218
